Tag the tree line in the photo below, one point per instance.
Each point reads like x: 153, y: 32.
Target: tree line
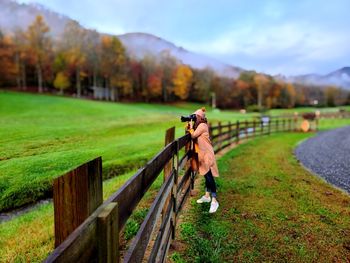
x: 81, y: 61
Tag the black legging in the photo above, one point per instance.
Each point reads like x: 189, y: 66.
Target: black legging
x: 210, y: 183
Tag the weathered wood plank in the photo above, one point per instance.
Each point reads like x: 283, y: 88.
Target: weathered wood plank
x: 184, y: 160
x: 184, y: 179
x: 140, y: 242
x: 169, y: 137
x: 165, y: 246
x: 163, y: 230
x: 182, y: 200
x: 76, y: 195
x: 108, y: 234
x: 129, y: 195
x: 81, y: 245
x: 184, y: 140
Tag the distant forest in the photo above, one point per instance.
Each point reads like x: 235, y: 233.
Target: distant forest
x: 85, y: 63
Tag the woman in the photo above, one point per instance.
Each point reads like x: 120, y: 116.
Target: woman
x: 206, y: 158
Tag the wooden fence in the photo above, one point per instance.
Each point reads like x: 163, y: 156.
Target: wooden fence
x: 95, y: 236
x: 335, y: 115
x: 341, y: 114
x: 224, y: 135
x: 95, y: 239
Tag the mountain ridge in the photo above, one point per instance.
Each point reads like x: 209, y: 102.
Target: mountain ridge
x: 15, y: 15
x: 140, y: 44
x: 340, y: 78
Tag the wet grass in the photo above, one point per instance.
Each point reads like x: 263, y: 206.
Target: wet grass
x: 42, y: 137
x: 271, y: 209
x: 30, y: 237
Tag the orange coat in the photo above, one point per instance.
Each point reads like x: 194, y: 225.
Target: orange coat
x: 206, y: 156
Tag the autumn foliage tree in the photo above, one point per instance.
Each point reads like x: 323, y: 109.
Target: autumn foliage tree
x: 21, y: 46
x: 113, y: 64
x: 331, y: 94
x: 61, y: 81
x: 84, y: 62
x: 182, y: 81
x: 154, y: 85
x: 168, y: 64
x: 39, y: 45
x: 8, y: 68
x: 92, y: 51
x: 260, y: 82
x: 243, y: 90
x: 73, y: 47
x: 202, y: 88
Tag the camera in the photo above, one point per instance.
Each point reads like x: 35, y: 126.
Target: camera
x: 191, y: 117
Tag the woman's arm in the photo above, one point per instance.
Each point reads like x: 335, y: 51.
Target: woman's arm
x: 200, y: 129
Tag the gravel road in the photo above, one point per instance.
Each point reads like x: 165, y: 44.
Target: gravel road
x: 328, y: 155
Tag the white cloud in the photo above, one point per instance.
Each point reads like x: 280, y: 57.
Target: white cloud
x: 270, y: 35
x: 302, y: 44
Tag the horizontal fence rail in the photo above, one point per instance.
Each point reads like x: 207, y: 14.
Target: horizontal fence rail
x: 96, y: 239
x: 224, y: 135
x: 84, y: 243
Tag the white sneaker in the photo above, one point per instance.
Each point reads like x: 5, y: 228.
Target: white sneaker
x: 213, y: 207
x: 203, y: 199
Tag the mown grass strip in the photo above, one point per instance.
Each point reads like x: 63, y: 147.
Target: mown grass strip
x: 43, y: 137
x: 271, y: 209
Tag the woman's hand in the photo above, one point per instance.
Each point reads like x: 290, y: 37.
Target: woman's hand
x: 191, y: 125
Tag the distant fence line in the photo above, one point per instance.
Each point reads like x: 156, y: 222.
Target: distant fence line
x: 87, y: 229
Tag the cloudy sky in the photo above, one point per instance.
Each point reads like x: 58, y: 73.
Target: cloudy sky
x: 277, y: 36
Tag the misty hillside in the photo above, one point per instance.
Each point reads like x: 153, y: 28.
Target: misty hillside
x: 339, y: 78
x: 141, y: 44
x: 14, y: 15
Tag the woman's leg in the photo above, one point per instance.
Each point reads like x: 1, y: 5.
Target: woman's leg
x: 207, y: 187
x: 210, y: 184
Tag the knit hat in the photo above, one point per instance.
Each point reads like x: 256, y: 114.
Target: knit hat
x: 200, y: 112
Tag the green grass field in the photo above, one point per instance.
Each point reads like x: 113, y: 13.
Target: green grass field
x: 42, y: 137
x: 271, y: 210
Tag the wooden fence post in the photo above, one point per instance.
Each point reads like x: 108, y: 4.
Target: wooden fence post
x: 269, y: 127
x: 169, y: 137
x: 284, y: 124
x: 108, y: 234
x: 76, y: 195
x: 277, y: 124
x: 229, y: 133
x: 295, y: 122
x: 290, y: 124
x: 237, y: 132
x: 175, y: 164
x: 246, y: 129
x: 261, y: 127
x: 254, y: 127
x: 219, y: 134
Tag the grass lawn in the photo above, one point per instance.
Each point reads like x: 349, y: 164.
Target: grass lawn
x: 30, y: 237
x: 271, y: 209
x: 42, y: 137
